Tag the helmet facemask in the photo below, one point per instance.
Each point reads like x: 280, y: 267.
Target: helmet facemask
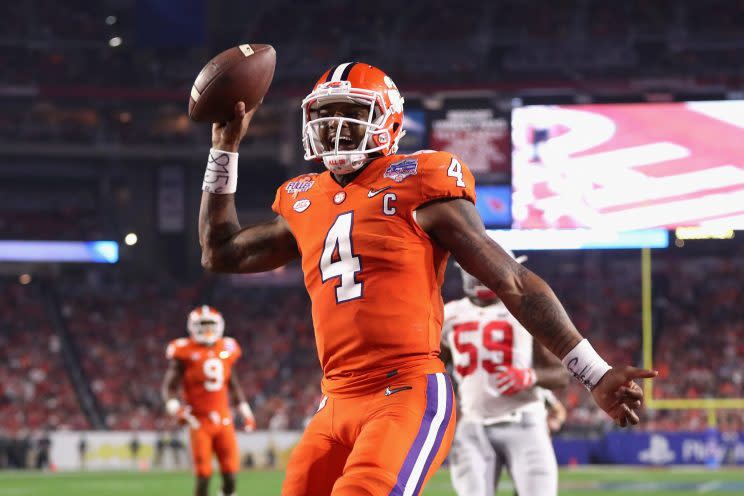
x: 376, y: 140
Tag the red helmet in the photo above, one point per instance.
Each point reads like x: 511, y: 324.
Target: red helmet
x: 353, y: 82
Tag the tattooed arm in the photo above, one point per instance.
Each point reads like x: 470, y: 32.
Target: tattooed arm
x: 226, y: 246
x: 456, y: 226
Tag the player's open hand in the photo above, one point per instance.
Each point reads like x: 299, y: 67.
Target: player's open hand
x: 619, y: 395
x: 511, y: 380
x: 226, y: 136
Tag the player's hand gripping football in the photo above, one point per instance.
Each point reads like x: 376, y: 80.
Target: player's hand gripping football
x: 226, y: 136
x: 511, y: 380
x: 619, y: 395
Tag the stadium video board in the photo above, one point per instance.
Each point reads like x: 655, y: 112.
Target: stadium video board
x: 628, y: 166
x: 479, y: 136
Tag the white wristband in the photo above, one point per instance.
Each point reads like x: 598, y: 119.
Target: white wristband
x: 172, y: 406
x: 245, y: 409
x: 585, y: 364
x: 221, y: 176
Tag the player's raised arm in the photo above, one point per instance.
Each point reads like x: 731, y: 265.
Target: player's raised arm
x: 456, y: 226
x: 226, y: 247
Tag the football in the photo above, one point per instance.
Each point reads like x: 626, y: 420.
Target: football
x: 241, y: 73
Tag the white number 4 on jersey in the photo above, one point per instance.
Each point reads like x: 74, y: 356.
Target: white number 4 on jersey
x: 455, y: 170
x: 346, y: 265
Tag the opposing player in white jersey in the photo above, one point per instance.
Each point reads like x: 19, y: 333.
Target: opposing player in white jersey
x: 497, y: 366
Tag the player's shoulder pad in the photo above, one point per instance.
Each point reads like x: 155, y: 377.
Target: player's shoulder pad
x: 292, y: 189
x: 174, y: 347
x: 231, y: 345
x: 440, y: 175
x: 432, y: 161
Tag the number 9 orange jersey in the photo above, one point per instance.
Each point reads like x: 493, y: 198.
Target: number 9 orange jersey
x: 206, y: 373
x: 373, y: 275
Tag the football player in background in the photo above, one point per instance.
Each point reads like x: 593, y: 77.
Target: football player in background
x: 498, y: 368
x: 201, y: 365
x: 373, y: 234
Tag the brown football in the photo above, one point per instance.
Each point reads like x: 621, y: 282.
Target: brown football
x: 241, y: 73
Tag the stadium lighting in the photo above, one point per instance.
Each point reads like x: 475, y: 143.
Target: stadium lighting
x: 130, y: 239
x: 111, y: 20
x: 703, y: 233
x: 24, y: 279
x: 115, y: 41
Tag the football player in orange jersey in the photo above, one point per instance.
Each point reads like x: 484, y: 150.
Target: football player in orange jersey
x: 202, y: 365
x: 373, y: 233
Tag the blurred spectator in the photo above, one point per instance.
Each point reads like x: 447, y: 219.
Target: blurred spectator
x: 35, y: 391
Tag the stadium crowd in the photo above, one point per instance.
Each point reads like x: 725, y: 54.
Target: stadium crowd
x: 35, y: 391
x: 55, y: 91
x: 504, y: 40
x: 121, y: 326
x: 52, y: 54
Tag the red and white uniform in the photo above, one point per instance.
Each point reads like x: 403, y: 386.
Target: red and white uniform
x: 482, y: 339
x: 495, y: 431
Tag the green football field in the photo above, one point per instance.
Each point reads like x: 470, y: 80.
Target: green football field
x: 591, y: 481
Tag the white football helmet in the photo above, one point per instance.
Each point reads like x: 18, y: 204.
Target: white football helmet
x: 206, y: 325
x: 473, y: 288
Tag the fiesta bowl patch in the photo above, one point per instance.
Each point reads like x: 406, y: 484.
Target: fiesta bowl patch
x: 401, y: 170
x: 301, y: 186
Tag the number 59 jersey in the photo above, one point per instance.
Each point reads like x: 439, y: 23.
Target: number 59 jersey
x: 206, y: 373
x: 373, y: 275
x: 482, y: 339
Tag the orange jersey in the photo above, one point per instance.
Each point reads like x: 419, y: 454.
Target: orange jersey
x: 206, y: 373
x: 373, y: 275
